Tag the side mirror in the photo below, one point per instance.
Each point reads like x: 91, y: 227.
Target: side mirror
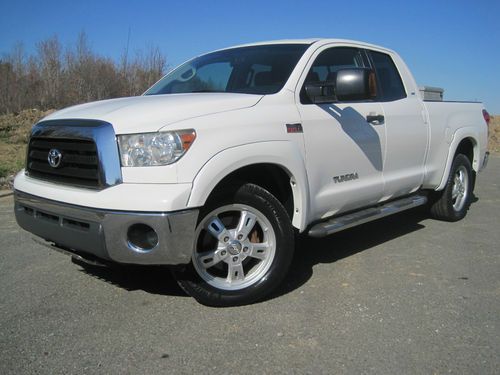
x: 349, y: 85
x: 355, y: 84
x: 321, y: 92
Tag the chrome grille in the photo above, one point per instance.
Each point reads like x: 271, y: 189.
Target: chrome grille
x: 83, y: 153
x: 79, y: 163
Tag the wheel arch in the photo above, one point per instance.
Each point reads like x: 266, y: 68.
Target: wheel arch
x: 276, y: 166
x: 465, y: 141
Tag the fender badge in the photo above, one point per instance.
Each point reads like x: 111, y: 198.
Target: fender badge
x: 345, y: 177
x: 294, y: 128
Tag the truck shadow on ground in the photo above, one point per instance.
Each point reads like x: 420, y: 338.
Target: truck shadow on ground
x: 312, y: 251
x: 309, y: 252
x: 151, y: 279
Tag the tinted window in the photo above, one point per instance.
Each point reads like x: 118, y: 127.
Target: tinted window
x: 252, y: 70
x: 329, y: 62
x: 390, y: 86
x: 210, y: 77
x: 332, y: 60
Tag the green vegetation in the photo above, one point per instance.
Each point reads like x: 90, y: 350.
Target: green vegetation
x: 14, y: 132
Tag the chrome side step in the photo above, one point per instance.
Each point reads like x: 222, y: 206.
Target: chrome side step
x: 336, y: 224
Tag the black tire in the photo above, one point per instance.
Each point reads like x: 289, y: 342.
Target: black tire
x: 452, y: 203
x: 264, y: 253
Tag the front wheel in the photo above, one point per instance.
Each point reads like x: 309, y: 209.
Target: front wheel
x: 452, y: 203
x: 242, y: 250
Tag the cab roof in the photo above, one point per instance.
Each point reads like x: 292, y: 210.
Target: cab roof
x: 310, y: 41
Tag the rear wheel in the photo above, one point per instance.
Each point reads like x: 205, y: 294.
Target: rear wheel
x: 243, y: 249
x: 452, y: 203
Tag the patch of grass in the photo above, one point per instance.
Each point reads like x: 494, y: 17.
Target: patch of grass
x: 14, y: 133
x: 12, y: 158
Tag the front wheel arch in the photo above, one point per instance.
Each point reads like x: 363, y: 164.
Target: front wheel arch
x: 280, y: 154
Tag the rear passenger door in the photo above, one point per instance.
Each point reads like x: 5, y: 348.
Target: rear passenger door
x: 406, y: 131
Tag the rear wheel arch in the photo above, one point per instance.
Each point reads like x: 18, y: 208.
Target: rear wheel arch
x: 465, y: 143
x: 452, y: 203
x: 468, y: 147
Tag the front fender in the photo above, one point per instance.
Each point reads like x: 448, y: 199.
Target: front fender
x: 281, y: 153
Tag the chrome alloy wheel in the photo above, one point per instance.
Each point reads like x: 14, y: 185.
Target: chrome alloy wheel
x: 460, y: 191
x: 235, y: 246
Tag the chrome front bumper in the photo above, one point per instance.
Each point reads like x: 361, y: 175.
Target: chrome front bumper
x: 104, y: 233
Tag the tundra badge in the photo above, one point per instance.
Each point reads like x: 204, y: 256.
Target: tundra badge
x: 346, y: 177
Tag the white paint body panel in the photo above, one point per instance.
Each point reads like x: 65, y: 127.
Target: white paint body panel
x: 412, y: 150
x: 151, y: 113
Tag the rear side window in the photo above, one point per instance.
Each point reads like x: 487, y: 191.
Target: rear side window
x: 390, y: 85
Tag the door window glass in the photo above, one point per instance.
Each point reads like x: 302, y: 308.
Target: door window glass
x: 390, y: 85
x: 329, y: 62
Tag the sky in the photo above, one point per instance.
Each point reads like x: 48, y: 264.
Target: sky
x: 449, y: 44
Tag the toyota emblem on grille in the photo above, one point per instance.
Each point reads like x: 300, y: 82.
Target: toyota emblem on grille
x: 54, y: 158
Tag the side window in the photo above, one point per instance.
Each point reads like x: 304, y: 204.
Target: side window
x: 390, y: 84
x: 329, y: 62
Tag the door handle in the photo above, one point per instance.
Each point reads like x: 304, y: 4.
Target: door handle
x: 375, y: 119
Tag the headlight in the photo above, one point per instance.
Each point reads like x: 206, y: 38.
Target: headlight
x: 149, y: 149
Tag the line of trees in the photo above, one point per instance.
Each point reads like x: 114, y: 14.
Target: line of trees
x: 54, y: 77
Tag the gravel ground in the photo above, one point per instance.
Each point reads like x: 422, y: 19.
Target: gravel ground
x: 406, y: 294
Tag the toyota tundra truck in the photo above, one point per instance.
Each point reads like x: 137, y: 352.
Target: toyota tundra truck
x: 218, y: 166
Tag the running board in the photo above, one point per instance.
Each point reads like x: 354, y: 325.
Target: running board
x: 339, y: 223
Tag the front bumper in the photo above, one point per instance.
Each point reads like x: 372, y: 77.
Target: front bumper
x: 104, y: 233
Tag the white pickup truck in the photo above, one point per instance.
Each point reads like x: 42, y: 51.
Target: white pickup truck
x: 218, y: 166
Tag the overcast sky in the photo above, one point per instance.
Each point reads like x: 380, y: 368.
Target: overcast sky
x: 450, y: 44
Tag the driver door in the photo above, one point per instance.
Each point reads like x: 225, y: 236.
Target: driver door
x: 344, y: 152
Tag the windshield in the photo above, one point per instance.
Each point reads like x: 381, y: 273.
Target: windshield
x: 251, y: 70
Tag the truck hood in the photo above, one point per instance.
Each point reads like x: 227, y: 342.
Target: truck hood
x: 150, y: 113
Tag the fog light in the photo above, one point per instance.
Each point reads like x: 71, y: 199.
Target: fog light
x: 142, y: 237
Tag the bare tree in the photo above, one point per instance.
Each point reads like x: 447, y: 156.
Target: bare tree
x: 53, y: 78
x: 49, y: 55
